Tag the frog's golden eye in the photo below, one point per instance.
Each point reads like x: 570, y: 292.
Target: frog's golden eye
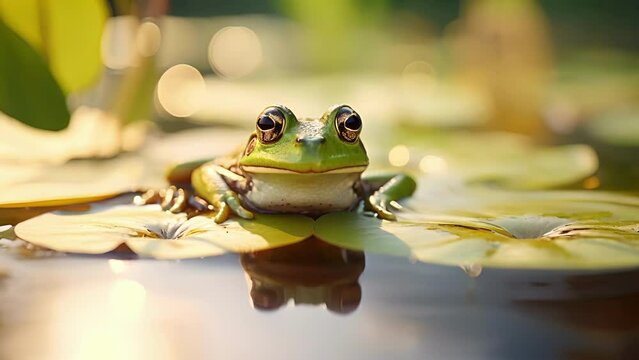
x: 270, y: 125
x: 348, y: 123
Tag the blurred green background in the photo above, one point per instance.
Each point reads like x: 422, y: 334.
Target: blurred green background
x: 112, y: 72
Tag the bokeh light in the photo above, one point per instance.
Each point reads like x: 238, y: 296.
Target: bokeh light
x: 181, y: 90
x: 235, y: 51
x: 591, y: 183
x: 148, y: 39
x: 399, y: 155
x: 431, y: 164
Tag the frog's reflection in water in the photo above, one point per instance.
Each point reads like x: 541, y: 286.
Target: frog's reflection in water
x: 310, y: 272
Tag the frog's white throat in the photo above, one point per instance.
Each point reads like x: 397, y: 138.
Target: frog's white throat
x: 302, y: 192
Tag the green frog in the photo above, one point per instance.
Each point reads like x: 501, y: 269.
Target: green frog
x: 288, y: 165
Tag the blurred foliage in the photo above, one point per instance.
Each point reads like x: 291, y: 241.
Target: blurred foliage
x: 578, y: 23
x: 28, y: 91
x: 133, y: 102
x: 66, y: 33
x: 54, y: 49
x: 334, y: 29
x: 220, y: 8
x: 607, y: 23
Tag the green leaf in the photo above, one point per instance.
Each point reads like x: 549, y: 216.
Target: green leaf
x: 28, y: 91
x: 67, y: 34
x: 149, y: 231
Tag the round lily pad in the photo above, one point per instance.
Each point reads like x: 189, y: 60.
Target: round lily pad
x: 491, y: 158
x: 574, y: 240
x: 149, y: 231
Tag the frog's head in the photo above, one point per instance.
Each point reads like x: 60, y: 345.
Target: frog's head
x: 281, y: 143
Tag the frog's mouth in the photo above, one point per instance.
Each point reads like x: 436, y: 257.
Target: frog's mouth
x: 274, y: 170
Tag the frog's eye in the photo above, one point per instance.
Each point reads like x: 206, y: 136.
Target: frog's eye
x: 348, y: 124
x: 270, y: 125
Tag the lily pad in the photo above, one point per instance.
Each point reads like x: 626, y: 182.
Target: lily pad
x: 493, y: 158
x: 75, y: 182
x: 446, y: 196
x: 429, y: 242
x: 357, y: 232
x: 586, y: 230
x: 149, y: 231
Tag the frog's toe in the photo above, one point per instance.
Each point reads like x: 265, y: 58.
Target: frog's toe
x: 170, y: 199
x: 381, y: 208
x: 222, y: 214
x: 199, y: 204
x: 179, y: 202
x: 395, y: 205
x: 173, y: 199
x: 237, y: 208
x: 384, y: 213
x: 149, y: 197
x: 166, y: 197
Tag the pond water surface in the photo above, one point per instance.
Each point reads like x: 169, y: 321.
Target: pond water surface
x: 310, y: 301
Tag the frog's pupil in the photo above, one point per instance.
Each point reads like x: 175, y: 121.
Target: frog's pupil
x: 265, y: 123
x: 353, y: 123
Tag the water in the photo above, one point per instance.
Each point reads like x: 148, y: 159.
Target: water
x: 349, y: 306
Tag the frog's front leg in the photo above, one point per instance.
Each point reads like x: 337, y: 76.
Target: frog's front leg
x: 174, y: 198
x: 209, y: 183
x: 383, y: 192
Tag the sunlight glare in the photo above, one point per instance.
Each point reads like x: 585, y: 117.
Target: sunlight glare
x: 127, y: 299
x: 123, y: 330
x: 117, y: 266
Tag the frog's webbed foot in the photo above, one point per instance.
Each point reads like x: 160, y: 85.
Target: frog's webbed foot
x: 171, y: 199
x: 230, y: 203
x: 381, y: 205
x: 177, y: 200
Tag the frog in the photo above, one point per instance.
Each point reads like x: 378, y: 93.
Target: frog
x: 308, y: 166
